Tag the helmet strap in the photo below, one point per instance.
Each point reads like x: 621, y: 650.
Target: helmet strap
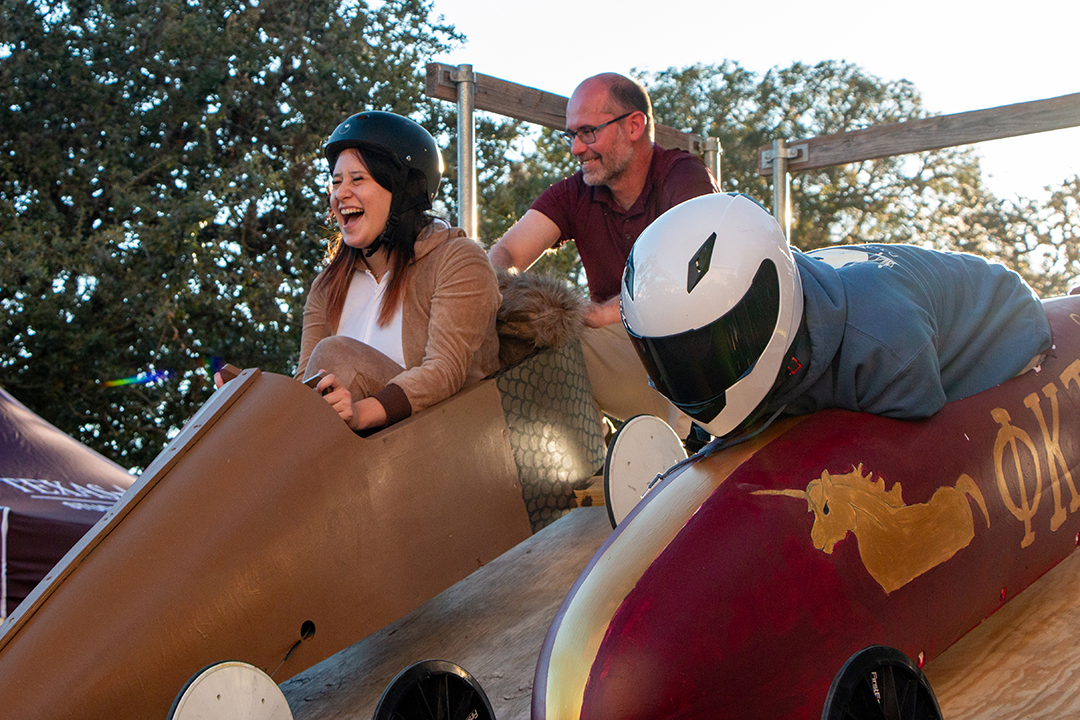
x: 384, y: 239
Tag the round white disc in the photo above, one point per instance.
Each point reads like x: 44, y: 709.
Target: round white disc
x: 644, y: 447
x: 231, y: 691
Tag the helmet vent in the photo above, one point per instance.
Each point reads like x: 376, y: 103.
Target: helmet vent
x: 628, y: 275
x: 699, y: 264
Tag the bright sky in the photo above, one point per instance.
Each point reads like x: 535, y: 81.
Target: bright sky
x: 960, y: 55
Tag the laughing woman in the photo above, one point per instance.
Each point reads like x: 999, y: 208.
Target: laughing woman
x: 403, y: 316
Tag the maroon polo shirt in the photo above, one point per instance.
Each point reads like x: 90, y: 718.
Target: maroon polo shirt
x: 603, y: 232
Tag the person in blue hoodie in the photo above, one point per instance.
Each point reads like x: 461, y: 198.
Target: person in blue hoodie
x: 735, y: 327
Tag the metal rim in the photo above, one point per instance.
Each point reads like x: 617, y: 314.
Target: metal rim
x: 233, y: 690
x: 643, y: 447
x: 434, y: 690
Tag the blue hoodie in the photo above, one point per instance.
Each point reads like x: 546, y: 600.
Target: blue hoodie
x: 898, y: 330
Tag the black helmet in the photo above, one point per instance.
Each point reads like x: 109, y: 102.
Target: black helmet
x: 399, y: 136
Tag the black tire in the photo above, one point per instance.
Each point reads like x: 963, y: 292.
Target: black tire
x: 434, y: 690
x: 880, y: 683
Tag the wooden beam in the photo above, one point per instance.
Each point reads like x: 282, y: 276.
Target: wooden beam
x: 930, y: 134
x: 522, y: 102
x: 499, y: 96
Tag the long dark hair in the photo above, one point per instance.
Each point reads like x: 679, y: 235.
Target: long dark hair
x: 409, y: 205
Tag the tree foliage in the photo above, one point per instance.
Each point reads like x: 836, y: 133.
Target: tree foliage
x: 509, y: 187
x: 160, y: 190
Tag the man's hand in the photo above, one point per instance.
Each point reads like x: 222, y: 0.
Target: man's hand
x: 602, y: 314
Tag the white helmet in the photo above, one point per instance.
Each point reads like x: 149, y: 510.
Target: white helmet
x: 712, y: 300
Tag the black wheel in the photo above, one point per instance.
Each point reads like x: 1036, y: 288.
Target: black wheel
x: 434, y: 690
x: 880, y: 683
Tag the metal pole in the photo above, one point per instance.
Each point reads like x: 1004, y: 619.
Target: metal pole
x: 712, y: 157
x: 780, y: 206
x: 466, y: 149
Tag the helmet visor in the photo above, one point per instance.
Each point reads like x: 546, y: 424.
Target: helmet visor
x: 694, y: 369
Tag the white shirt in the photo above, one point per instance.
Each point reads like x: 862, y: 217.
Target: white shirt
x: 359, y: 316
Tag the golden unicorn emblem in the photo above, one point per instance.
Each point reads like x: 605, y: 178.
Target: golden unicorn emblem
x: 897, y: 542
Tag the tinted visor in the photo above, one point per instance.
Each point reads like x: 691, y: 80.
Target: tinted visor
x: 695, y: 368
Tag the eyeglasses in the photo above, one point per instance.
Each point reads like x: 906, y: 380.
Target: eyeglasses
x: 588, y: 135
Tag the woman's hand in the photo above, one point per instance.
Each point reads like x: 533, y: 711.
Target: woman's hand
x: 338, y: 396
x: 368, y: 413
x: 224, y: 375
x: 360, y: 415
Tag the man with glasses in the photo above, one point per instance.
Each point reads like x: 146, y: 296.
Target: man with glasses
x: 626, y: 181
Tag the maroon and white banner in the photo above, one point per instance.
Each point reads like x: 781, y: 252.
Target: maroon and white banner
x: 52, y: 490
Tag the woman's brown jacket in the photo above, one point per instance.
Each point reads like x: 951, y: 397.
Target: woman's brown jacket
x: 448, y: 333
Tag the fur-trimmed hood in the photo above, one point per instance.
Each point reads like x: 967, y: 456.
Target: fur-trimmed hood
x: 537, y: 311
